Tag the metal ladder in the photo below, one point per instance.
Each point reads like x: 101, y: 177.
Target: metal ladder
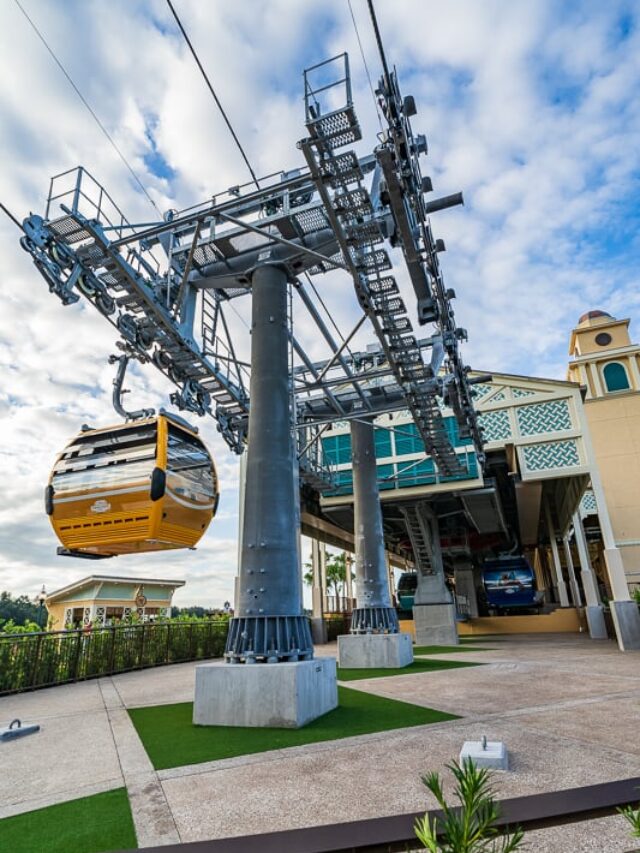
x: 350, y: 212
x: 420, y: 538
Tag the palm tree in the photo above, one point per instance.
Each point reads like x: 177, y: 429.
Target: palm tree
x: 336, y: 574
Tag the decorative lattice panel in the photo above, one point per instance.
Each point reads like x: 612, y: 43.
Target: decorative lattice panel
x: 501, y: 395
x: 68, y: 616
x: 126, y: 612
x: 588, y: 503
x: 480, y: 391
x: 496, y: 425
x: 522, y: 392
x: 86, y: 616
x: 553, y: 454
x: 100, y: 615
x: 552, y: 416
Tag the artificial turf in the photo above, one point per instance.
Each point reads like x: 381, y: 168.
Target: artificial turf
x: 171, y: 739
x: 446, y: 650
x: 88, y: 825
x: 413, y: 668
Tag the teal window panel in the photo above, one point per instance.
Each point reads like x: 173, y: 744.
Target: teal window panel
x: 407, y: 440
x: 337, y: 449
x: 615, y: 377
x: 382, y: 438
x: 386, y: 471
x: 453, y: 432
x: 417, y: 475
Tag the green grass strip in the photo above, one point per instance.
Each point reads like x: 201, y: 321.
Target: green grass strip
x: 413, y: 669
x: 447, y: 650
x: 88, y: 825
x: 171, y: 739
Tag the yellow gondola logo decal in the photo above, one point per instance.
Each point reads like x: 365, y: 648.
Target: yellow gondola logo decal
x: 100, y: 506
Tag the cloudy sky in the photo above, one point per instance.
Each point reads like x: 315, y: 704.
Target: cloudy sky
x: 530, y: 107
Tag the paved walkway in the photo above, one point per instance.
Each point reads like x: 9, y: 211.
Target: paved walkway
x: 567, y: 708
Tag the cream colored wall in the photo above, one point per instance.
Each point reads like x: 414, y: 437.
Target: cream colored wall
x: 614, y: 423
x: 586, y: 338
x: 56, y: 609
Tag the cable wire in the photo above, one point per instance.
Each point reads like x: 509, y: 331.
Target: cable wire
x: 11, y: 216
x: 383, y: 58
x: 87, y: 105
x: 366, y: 67
x: 211, y: 89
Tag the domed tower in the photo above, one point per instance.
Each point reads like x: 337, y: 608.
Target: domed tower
x: 607, y: 364
x: 604, y: 359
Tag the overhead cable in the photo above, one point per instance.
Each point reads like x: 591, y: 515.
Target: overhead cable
x: 366, y: 67
x: 87, y: 105
x: 11, y: 216
x: 213, y: 93
x: 383, y: 58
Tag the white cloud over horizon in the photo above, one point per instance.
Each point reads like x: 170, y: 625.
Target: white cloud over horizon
x: 530, y: 108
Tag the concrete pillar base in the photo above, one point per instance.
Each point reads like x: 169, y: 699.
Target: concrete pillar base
x: 318, y: 632
x: 375, y: 651
x: 596, y: 623
x: 435, y: 624
x: 262, y: 695
x: 626, y: 620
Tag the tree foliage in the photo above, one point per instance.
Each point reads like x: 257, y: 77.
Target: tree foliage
x: 336, y: 573
x: 19, y: 611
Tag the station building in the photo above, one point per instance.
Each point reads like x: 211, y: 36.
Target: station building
x: 560, y: 484
x: 101, y: 599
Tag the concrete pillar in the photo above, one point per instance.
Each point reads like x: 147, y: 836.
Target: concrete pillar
x: 323, y: 576
x: 391, y: 579
x: 318, y: 628
x: 373, y: 612
x: 593, y: 609
x: 624, y: 612
x: 269, y: 622
x: 573, y: 582
x: 348, y: 562
x: 557, y: 566
x: 434, y: 611
x: 466, y: 585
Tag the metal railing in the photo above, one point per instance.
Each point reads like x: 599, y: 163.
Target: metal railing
x: 30, y: 661
x: 396, y: 832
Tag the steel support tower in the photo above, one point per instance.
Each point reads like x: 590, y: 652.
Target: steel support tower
x: 373, y: 612
x: 166, y: 287
x: 269, y: 622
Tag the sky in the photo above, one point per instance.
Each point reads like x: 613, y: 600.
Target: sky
x: 530, y: 108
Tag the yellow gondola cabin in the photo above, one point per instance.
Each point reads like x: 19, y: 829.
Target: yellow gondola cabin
x: 146, y: 485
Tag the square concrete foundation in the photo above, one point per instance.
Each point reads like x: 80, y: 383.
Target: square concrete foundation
x: 596, y: 623
x: 264, y: 695
x: 435, y: 625
x: 375, y: 651
x: 494, y: 755
x: 626, y: 620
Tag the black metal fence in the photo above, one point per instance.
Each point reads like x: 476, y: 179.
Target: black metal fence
x: 29, y: 661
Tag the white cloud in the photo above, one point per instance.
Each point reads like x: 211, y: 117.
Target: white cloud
x: 529, y: 108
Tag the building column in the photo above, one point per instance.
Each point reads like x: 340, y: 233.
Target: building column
x: 557, y: 566
x: 323, y: 576
x: 373, y: 612
x: 348, y: 580
x: 624, y: 611
x: 573, y: 581
x: 318, y: 628
x: 594, y: 610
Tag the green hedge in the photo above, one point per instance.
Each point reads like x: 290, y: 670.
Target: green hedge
x: 43, y: 659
